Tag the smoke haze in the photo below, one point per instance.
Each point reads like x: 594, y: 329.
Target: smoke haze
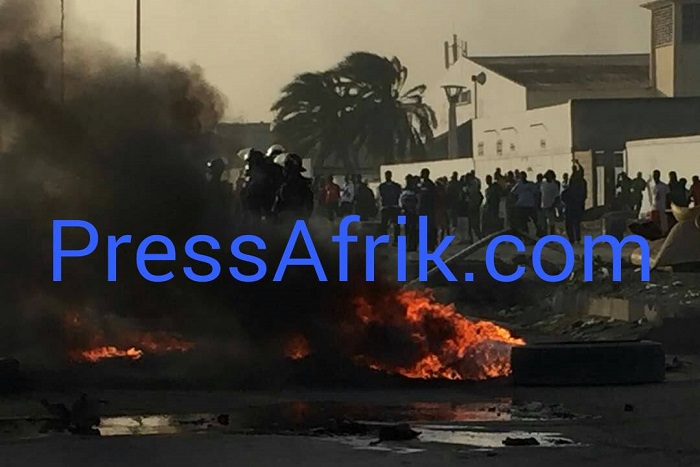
x: 251, y: 49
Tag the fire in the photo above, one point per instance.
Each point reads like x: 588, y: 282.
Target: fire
x: 100, y: 353
x: 443, y: 343
x: 297, y: 348
x: 121, y: 344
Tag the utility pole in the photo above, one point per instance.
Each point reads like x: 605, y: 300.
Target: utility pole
x: 63, y: 51
x: 138, y: 34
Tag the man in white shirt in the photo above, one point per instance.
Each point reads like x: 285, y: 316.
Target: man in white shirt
x: 347, y: 197
x: 658, y: 192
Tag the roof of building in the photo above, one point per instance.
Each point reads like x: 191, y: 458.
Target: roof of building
x: 564, y: 72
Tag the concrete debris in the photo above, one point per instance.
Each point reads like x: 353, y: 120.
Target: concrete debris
x: 520, y: 442
x: 402, y: 432
x: 80, y: 419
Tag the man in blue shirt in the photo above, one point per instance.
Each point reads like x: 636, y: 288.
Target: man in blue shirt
x: 527, y: 195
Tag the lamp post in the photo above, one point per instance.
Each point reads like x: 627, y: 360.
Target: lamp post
x: 63, y: 51
x: 479, y: 79
x: 138, y: 34
x: 453, y: 93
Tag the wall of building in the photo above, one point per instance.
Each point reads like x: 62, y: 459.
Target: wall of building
x: 497, y: 96
x: 688, y: 71
x: 681, y: 155
x: 664, y: 72
x: 443, y: 168
x: 608, y: 124
x: 537, y: 98
x: 535, y: 141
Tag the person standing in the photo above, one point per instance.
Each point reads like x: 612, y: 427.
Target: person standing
x: 426, y: 206
x: 408, y: 202
x: 658, y: 196
x: 638, y: 186
x: 550, y: 200
x: 454, y: 195
x: 492, y: 221
x: 389, y: 194
x: 474, y: 200
x: 695, y: 191
x: 677, y: 191
x: 526, y: 196
x: 574, y: 198
x: 347, y: 197
x: 330, y: 198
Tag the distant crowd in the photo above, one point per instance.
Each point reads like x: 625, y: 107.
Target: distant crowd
x: 504, y: 200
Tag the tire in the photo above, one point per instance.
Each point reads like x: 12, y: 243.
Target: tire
x: 588, y: 364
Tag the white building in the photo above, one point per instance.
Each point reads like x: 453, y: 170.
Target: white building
x: 539, y: 112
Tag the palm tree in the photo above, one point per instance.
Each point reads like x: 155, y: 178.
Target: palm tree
x: 356, y: 107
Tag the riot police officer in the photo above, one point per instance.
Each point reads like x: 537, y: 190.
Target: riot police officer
x: 295, y: 198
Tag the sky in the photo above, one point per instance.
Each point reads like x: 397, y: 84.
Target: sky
x: 249, y: 49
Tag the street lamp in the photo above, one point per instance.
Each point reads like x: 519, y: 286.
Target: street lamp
x: 62, y: 38
x: 453, y: 93
x: 479, y: 79
x: 138, y: 34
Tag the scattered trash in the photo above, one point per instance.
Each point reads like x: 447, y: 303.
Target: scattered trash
x: 520, y: 442
x: 80, y: 419
x: 402, y: 432
x: 224, y: 419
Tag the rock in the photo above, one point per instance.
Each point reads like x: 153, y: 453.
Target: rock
x: 629, y: 408
x: 520, y: 442
x: 224, y: 419
x: 402, y: 432
x: 677, y: 284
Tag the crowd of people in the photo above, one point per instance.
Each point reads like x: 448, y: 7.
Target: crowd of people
x: 273, y: 187
x: 505, y: 200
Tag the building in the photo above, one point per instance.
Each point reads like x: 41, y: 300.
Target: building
x: 538, y: 112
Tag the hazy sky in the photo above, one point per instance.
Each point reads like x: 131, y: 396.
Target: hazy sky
x: 250, y: 48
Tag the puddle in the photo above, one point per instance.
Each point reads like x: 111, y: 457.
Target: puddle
x: 439, y: 422
x: 488, y: 439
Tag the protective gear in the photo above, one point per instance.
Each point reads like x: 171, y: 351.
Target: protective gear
x: 275, y: 150
x: 280, y: 159
x: 216, y: 165
x: 294, y: 162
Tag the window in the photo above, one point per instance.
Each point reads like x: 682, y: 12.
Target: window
x: 480, y: 150
x: 499, y: 147
x: 465, y: 98
x: 543, y: 143
x: 691, y: 23
x: 663, y: 26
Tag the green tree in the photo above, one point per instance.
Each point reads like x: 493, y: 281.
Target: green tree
x: 356, y: 108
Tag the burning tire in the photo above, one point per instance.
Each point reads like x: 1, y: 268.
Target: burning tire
x: 588, y: 363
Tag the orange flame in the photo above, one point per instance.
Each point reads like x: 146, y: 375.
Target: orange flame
x: 100, y: 353
x: 297, y: 348
x: 451, y: 346
x: 134, y: 345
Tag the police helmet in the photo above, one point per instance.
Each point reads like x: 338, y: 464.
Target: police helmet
x: 294, y: 160
x: 216, y: 165
x: 280, y: 159
x: 275, y: 149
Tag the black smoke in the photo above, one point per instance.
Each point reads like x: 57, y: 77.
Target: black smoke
x: 125, y: 151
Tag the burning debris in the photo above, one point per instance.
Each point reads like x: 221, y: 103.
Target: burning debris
x: 95, y: 347
x: 443, y: 343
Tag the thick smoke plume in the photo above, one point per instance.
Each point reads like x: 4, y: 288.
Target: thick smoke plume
x: 125, y: 151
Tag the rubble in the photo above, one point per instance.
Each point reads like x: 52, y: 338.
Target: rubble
x: 520, y: 442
